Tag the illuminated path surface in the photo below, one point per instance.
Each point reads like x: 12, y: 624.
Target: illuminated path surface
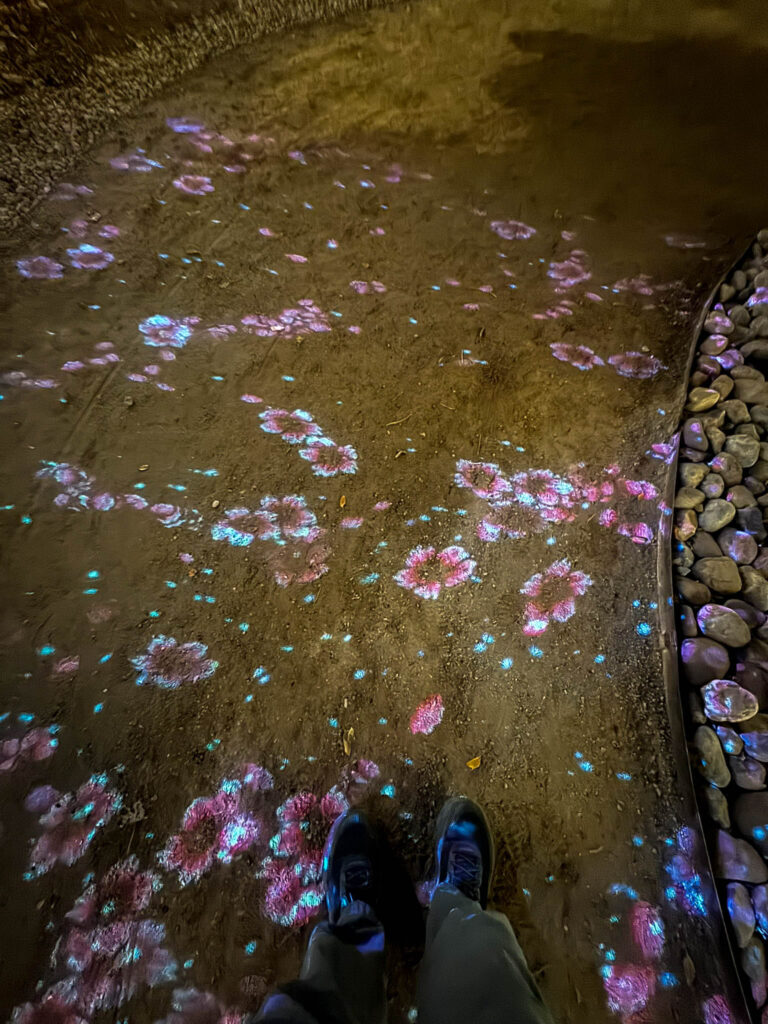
x: 473, y: 265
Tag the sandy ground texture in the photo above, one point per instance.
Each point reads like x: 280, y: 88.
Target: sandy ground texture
x: 339, y: 388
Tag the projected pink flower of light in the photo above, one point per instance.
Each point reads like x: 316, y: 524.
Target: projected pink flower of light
x: 428, y: 715
x: 213, y: 828
x: 116, y: 960
x: 553, y: 596
x: 40, y: 268
x: 194, y: 184
x: 484, y: 479
x: 37, y: 745
x: 636, y: 365
x: 427, y: 570
x: 190, y: 1006
x: 294, y: 427
x: 647, y: 930
x: 545, y: 491
x: 629, y: 989
x: 89, y: 257
x: 71, y: 823
x: 169, y: 664
x: 122, y: 893
x: 580, y: 356
x: 328, y: 458
x: 59, y: 1005
x: 512, y: 230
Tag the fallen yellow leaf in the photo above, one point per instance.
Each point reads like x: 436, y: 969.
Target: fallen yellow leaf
x: 474, y: 763
x: 342, y: 501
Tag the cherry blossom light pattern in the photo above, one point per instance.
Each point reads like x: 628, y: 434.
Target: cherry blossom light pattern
x: 427, y: 571
x: 552, y: 595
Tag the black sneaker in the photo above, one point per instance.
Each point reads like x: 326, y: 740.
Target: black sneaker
x: 351, y: 865
x: 465, y: 849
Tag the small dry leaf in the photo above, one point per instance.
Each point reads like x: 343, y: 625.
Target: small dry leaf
x: 348, y: 741
x: 342, y: 501
x: 474, y: 763
x: 143, y: 469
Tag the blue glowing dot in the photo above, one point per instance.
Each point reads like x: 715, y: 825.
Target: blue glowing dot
x: 667, y: 980
x: 618, y: 889
x: 599, y: 659
x: 347, y: 638
x: 91, y: 590
x: 586, y: 766
x: 93, y: 574
x: 643, y: 629
x: 154, y: 615
x: 97, y: 708
x: 26, y: 717
x: 26, y: 520
x: 507, y: 663
x: 327, y: 636
x: 614, y: 919
x: 287, y: 648
x: 652, y: 604
x: 388, y: 790
x: 248, y: 698
x: 289, y: 378
x: 334, y: 723
x: 187, y: 963
x: 370, y: 578
x: 105, y: 658
x: 535, y: 652
x: 170, y: 584
x: 610, y: 955
x: 212, y: 745
x: 243, y: 627
x: 623, y: 776
x: 359, y: 673
x: 250, y: 947
x: 382, y: 721
x: 139, y: 486
x: 637, y: 840
x: 309, y: 598
x: 46, y: 650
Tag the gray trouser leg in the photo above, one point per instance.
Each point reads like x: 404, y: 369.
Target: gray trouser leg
x: 473, y: 967
x: 342, y: 979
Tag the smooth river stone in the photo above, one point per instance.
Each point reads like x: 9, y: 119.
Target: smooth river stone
x: 753, y: 392
x: 747, y: 772
x: 714, y: 345
x: 738, y: 545
x: 716, y: 439
x: 748, y: 373
x: 755, y: 587
x: 719, y: 574
x: 726, y: 701
x: 750, y: 814
x: 713, y: 485
x: 705, y: 546
x: 741, y: 913
x: 729, y: 468
x: 689, y: 497
x: 757, y: 349
x: 723, y: 385
x: 686, y: 523
x: 753, y: 965
x: 746, y: 450
x: 691, y: 473
x: 737, y: 861
x: 759, y: 896
x: 711, y: 760
x: 756, y: 745
x: 692, y: 591
x: 751, y: 521
x: 731, y: 742
x: 736, y: 411
x: 694, y: 436
x: 703, y: 660
x: 760, y: 415
x: 740, y: 497
x: 718, y: 323
x: 701, y: 399
x: 724, y: 625
x: 717, y: 806
x: 687, y: 619
x: 751, y: 615
x: 730, y: 358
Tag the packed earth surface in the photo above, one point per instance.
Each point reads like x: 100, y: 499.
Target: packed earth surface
x: 341, y: 394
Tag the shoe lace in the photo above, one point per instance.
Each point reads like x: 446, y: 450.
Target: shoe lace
x: 466, y: 870
x: 357, y: 876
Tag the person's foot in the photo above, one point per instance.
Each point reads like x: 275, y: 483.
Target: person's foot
x: 351, y: 865
x: 465, y: 849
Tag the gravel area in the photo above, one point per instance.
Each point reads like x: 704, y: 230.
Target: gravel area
x: 46, y: 126
x: 721, y: 565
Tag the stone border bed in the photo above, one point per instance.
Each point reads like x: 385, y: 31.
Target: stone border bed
x: 720, y: 565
